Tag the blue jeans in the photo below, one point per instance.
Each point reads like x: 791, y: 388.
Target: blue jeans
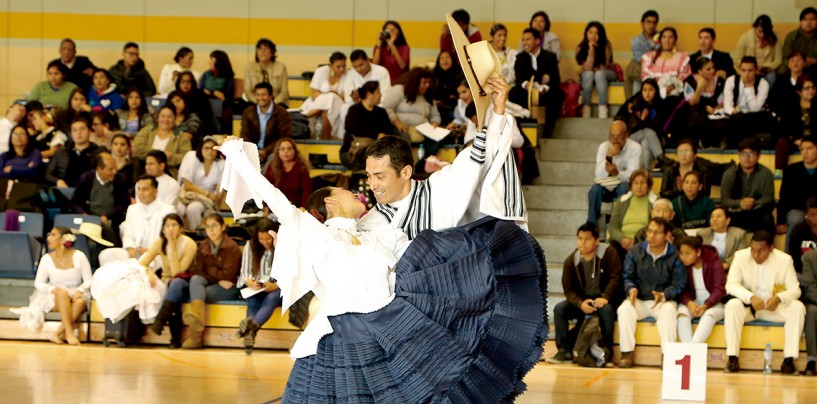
x: 261, y: 306
x: 201, y: 289
x: 793, y: 218
x: 599, y: 78
x: 178, y: 291
x: 596, y: 196
x: 650, y: 146
x: 566, y: 338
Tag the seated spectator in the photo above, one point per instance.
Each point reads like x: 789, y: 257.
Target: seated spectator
x: 650, y: 108
x: 409, y: 104
x: 15, y: 115
x: 78, y: 106
x: 632, y: 212
x: 724, y: 65
x: 266, y: 122
x: 471, y: 31
x: 170, y: 72
x: 54, y: 91
x: 747, y: 190
x: 392, y: 50
x: 145, y: 219
x: 156, y: 166
x: 104, y: 124
x: 47, y: 139
x: 667, y: 65
x: 80, y: 70
x: 744, y: 98
x: 362, y: 72
x: 660, y: 208
x: 761, y: 43
x: 465, y: 99
x: 200, y: 176
x: 804, y: 236
x: 726, y: 239
x: 447, y: 77
x: 591, y: 280
x: 795, y: 122
x: 693, y: 208
x: 703, y: 96
x: 197, y: 102
x: 783, y: 96
x: 798, y: 185
x: 256, y: 265
x: 654, y: 279
x: 134, y: 114
x: 69, y: 163
x: 187, y: 123
x: 101, y: 192
x: 803, y: 38
x: 130, y: 72
x: 266, y: 70
x: 289, y: 172
x: 549, y: 41
x: 215, y: 273
x: 672, y: 184
x: 507, y: 55
x: 808, y: 282
x: 544, y: 78
x: 104, y: 95
x: 640, y: 45
x: 121, y: 153
x: 619, y: 157
x: 218, y: 82
x: 22, y: 161
x: 770, y: 297
x: 177, y: 252
x: 365, y: 120
x: 163, y: 138
x: 325, y: 102
x: 706, y: 285
x: 595, y: 58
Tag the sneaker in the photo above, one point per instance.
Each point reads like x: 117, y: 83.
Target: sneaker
x: 603, y: 112
x: 787, y: 368
x: 733, y: 365
x: 561, y: 357
x: 586, y: 111
x: 810, y: 369
x: 626, y: 360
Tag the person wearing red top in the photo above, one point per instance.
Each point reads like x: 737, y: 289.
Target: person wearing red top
x: 392, y: 51
x: 289, y: 172
x: 706, y: 285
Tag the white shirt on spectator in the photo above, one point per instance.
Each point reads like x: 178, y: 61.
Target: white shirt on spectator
x: 143, y: 223
x: 627, y: 160
x: 354, y: 81
x: 168, y: 190
x: 701, y: 293
x: 748, y: 100
x: 166, y: 82
x: 159, y: 143
x: 192, y: 170
x: 5, y: 132
x: 320, y: 81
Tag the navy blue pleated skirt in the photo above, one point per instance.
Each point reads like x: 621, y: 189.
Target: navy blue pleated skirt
x: 467, y: 324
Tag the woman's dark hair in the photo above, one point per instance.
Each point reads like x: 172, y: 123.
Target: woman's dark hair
x: 193, y: 82
x: 143, y: 106
x: 600, y: 56
x: 263, y: 226
x: 174, y: 217
x: 315, y: 204
x: 200, y: 155
x: 411, y: 84
x: 71, y: 96
x: 703, y: 61
x: 401, y: 37
x: 10, y: 154
x: 498, y: 27
x: 542, y: 14
x: 61, y: 67
x: 690, y: 142
x: 63, y: 231
x: 269, y: 44
x: 181, y: 53
x: 367, y: 88
x: 765, y: 23
x: 121, y: 135
x: 335, y: 56
x: 276, y: 166
x: 453, y: 68
x: 107, y: 74
x: 108, y: 118
x: 693, y: 242
x: 641, y: 173
x: 651, y: 82
x: 801, y: 81
x: 169, y: 104
x: 223, y: 67
x: 695, y: 174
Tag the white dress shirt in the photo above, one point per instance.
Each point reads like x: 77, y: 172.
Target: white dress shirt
x: 748, y: 100
x: 627, y: 160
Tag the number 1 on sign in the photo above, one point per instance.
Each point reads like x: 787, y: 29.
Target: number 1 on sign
x: 684, y: 362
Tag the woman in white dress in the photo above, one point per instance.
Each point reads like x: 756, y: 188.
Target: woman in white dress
x: 170, y: 72
x: 199, y: 175
x: 499, y: 41
x: 325, y: 103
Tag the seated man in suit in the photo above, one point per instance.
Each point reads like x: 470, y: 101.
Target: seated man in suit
x: 265, y: 123
x: 538, y: 68
x: 726, y: 239
x: 765, y: 287
x: 809, y: 298
x: 102, y: 192
x: 724, y: 66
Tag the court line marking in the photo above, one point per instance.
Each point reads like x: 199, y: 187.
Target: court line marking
x: 595, y: 379
x: 179, y: 361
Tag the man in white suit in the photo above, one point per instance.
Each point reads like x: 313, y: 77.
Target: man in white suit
x: 764, y: 285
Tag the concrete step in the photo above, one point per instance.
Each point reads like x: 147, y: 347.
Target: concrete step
x: 16, y: 294
x: 555, y: 196
x: 568, y: 150
x: 553, y: 300
x: 557, y: 248
x: 565, y: 173
x: 555, y: 280
x: 582, y: 128
x: 555, y: 222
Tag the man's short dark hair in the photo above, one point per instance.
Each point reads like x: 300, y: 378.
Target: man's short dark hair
x: 666, y: 224
x: 100, y: 160
x: 810, y: 138
x: 806, y: 11
x: 648, y: 14
x: 689, y: 142
x: 811, y: 202
x: 398, y: 150
x: 536, y: 34
x: 724, y: 209
x: 749, y: 59
x: 159, y: 155
x: 82, y: 119
x: 59, y: 66
x: 130, y: 45
x: 358, y: 54
x: 589, y: 227
x: 153, y: 182
x: 461, y: 16
x: 470, y: 110
x: 796, y: 52
x: 764, y: 236
x: 265, y: 86
x: 68, y: 40
x: 708, y: 30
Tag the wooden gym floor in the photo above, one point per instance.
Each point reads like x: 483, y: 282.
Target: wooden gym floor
x: 40, y: 372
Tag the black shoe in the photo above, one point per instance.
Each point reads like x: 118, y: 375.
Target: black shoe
x: 561, y: 357
x: 733, y: 365
x: 810, y: 369
x: 787, y: 368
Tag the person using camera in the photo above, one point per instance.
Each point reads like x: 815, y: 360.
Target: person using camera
x: 392, y: 51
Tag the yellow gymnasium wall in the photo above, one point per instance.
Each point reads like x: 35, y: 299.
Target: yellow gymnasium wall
x: 306, y: 32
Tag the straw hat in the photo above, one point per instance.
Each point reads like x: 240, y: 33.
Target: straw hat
x: 479, y: 62
x: 94, y: 232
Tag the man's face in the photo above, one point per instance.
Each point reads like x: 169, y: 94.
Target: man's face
x: 748, y: 159
x: 130, y: 56
x: 362, y: 66
x: 809, y: 152
x: 80, y: 133
x: 811, y: 216
x: 153, y: 167
x: 719, y: 221
x: 146, y: 192
x: 387, y: 184
x: 618, y: 135
x: 649, y: 26
x: 529, y: 42
x: 748, y: 71
x: 705, y: 42
x: 16, y: 113
x: 662, y: 210
x: 760, y: 251
x: 67, y: 52
x: 686, y: 155
x: 586, y: 243
x: 108, y: 172
x: 796, y: 64
x: 809, y: 22
x: 656, y: 237
x: 263, y: 97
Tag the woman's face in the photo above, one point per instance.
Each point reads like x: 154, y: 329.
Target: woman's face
x: 686, y: 156
x: 134, y: 100
x: 377, y: 96
x: 807, y: 93
x: 538, y: 24
x: 692, y: 186
x: 592, y: 35
x: 500, y: 38
x: 214, y: 229
x: 759, y: 33
x: 167, y: 120
x: 101, y: 81
x: 119, y: 147
x: 54, y: 239
x: 55, y: 77
x: 718, y: 221
x: 465, y: 94
x: 171, y: 229
x: 186, y: 61
x: 263, y: 53
x: 392, y: 30
x: 77, y: 101
x: 268, y: 239
x: 445, y: 61
x: 648, y: 93
x: 424, y: 85
x: 19, y: 137
x: 639, y: 186
x: 688, y: 255
x: 185, y: 83
x: 212, y: 63
x: 178, y: 102
x: 99, y: 127
x: 286, y: 152
x: 339, y: 67
x: 348, y: 202
x: 708, y: 70
x: 208, y: 152
x: 667, y: 40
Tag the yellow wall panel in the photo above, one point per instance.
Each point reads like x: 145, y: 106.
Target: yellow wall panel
x: 25, y: 25
x: 119, y: 28
x: 188, y: 30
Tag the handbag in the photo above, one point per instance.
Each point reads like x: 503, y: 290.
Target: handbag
x: 588, y: 351
x: 616, y: 68
x: 358, y: 146
x: 183, y: 275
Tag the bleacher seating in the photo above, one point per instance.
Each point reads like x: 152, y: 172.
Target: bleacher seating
x: 19, y: 255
